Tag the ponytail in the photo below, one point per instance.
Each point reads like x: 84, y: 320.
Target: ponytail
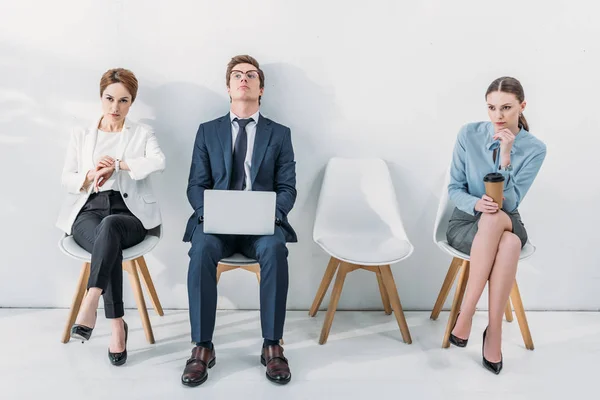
x: 523, y: 122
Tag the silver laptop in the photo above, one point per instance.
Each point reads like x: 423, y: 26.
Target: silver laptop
x: 239, y: 212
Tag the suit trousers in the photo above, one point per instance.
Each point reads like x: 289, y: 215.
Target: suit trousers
x: 207, y: 250
x: 104, y: 227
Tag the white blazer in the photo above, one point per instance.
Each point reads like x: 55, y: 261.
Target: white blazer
x: 139, y: 148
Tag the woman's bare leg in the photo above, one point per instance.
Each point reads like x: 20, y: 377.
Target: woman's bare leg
x: 483, y: 253
x: 502, y: 280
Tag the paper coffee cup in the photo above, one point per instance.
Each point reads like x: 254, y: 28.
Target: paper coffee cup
x: 494, y: 187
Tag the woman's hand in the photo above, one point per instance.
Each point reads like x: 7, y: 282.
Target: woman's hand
x: 507, y: 138
x: 102, y: 175
x: 486, y: 205
x: 105, y: 161
x: 89, y: 178
x: 91, y: 174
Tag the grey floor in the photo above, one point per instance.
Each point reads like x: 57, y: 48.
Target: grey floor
x: 364, y: 357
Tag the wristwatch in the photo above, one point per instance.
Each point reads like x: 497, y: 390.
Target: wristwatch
x: 117, y: 167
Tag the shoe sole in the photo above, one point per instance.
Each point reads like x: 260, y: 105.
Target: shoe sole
x: 458, y: 344
x: 79, y: 337
x: 119, y: 363
x: 194, y: 384
x: 277, y: 381
x: 492, y: 370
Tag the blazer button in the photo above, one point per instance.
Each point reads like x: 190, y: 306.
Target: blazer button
x: 125, y: 195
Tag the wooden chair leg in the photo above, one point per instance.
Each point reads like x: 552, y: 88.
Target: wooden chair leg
x: 333, y: 302
x: 508, y: 312
x: 515, y: 296
x: 446, y: 286
x: 224, y: 268
x: 219, y: 271
x: 325, y: 282
x: 139, y: 299
x: 458, y: 298
x: 84, y: 276
x: 390, y: 284
x: 149, y: 284
x: 385, y: 299
x: 254, y: 268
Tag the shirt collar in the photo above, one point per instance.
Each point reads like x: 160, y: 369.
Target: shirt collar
x: 96, y: 122
x: 254, y: 116
x: 495, y: 144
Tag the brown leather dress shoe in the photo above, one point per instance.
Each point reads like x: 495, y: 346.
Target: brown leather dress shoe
x: 278, y: 370
x: 196, y: 368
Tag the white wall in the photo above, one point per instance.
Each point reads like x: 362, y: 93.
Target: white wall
x: 381, y: 78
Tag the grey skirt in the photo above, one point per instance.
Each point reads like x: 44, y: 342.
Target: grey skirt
x: 463, y: 227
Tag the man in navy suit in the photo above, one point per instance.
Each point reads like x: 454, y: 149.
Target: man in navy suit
x: 240, y: 151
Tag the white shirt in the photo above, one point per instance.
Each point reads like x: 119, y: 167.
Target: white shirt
x: 251, y: 135
x: 106, y: 145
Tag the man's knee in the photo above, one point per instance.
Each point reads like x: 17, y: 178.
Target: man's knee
x: 206, y: 250
x: 274, y: 248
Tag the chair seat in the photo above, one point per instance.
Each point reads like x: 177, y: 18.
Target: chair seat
x: 526, y: 252
x: 364, y: 249
x: 72, y: 249
x: 238, y: 259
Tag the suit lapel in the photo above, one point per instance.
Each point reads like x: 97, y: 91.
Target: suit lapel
x: 89, y: 144
x: 126, y: 134
x: 261, y: 141
x: 88, y: 149
x: 224, y: 134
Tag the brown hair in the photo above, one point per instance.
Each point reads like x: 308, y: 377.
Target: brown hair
x: 245, y: 59
x: 120, y: 75
x: 507, y: 84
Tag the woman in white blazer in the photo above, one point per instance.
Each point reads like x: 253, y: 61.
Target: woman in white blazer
x: 110, y: 205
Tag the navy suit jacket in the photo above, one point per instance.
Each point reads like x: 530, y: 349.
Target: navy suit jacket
x: 273, y: 168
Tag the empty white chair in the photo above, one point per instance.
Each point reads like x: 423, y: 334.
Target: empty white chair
x: 133, y: 263
x: 358, y: 224
x: 460, y: 262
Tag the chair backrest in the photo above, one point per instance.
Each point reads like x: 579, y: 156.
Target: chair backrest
x: 156, y: 231
x: 357, y: 195
x: 445, y: 209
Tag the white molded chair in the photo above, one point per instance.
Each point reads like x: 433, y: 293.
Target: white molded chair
x: 358, y: 224
x: 460, y: 262
x: 133, y: 263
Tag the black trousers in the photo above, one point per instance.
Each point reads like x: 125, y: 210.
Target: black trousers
x: 104, y: 227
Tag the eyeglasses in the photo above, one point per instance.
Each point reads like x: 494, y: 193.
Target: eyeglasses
x: 237, y: 75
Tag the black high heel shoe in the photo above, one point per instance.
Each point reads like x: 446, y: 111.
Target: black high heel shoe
x: 492, y: 366
x: 82, y: 332
x: 119, y: 358
x: 455, y: 340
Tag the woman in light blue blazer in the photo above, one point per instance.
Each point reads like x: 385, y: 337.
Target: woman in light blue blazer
x: 493, y: 237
